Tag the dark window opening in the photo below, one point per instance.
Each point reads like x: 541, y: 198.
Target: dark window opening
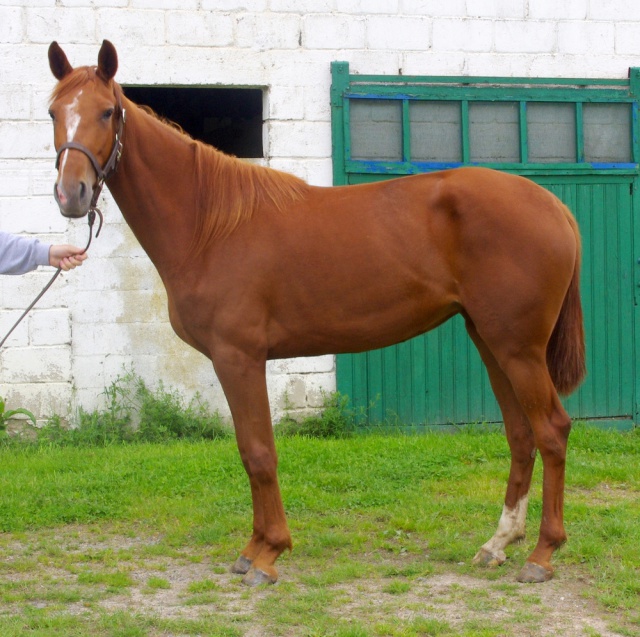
x: 228, y: 118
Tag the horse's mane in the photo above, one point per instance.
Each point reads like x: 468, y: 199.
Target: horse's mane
x: 229, y: 190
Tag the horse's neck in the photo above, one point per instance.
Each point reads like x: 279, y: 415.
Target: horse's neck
x: 154, y: 188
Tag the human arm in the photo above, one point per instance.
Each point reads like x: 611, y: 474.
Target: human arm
x: 21, y: 254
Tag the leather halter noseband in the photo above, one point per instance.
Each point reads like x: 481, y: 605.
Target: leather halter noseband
x: 103, y: 173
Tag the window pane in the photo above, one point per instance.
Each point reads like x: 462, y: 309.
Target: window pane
x: 436, y: 131
x: 376, y: 129
x: 552, y: 132
x: 607, y: 132
x: 494, y: 131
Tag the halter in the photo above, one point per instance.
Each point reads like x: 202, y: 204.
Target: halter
x: 103, y: 173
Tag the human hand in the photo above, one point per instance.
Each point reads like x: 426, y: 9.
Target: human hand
x: 66, y: 257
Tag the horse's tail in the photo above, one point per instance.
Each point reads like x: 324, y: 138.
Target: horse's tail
x: 566, y: 349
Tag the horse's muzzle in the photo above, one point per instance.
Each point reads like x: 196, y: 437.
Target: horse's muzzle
x: 73, y: 201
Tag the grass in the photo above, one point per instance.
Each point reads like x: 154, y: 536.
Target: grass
x: 394, y: 511
x: 103, y: 537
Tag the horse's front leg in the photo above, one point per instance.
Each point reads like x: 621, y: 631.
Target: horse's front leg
x: 244, y: 382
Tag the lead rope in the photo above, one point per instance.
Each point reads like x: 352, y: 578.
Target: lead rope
x: 92, y: 219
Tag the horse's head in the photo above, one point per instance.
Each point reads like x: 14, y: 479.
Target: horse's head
x: 87, y: 124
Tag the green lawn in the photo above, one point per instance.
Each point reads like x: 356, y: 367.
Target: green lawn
x: 85, y: 531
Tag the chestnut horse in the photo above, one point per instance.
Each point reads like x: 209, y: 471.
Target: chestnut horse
x: 259, y: 265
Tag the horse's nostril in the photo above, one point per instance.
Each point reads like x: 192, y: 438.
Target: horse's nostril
x: 83, y: 189
x: 62, y: 198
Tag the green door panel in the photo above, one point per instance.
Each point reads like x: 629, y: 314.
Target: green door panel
x: 580, y: 138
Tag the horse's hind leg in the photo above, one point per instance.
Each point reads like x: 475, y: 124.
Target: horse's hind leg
x: 526, y: 393
x: 527, y: 370
x: 511, y: 527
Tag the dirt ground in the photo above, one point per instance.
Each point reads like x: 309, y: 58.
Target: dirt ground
x: 47, y: 564
x: 565, y: 612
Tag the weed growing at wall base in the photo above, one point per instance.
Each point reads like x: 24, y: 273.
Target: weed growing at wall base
x: 134, y: 413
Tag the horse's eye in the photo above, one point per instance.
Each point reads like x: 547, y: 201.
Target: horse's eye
x: 107, y: 114
x: 51, y: 115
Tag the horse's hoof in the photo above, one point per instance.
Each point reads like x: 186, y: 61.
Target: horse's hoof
x: 532, y: 573
x: 487, y: 558
x: 242, y: 565
x: 256, y: 577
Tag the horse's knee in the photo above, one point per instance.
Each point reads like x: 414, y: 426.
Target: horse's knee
x: 260, y: 462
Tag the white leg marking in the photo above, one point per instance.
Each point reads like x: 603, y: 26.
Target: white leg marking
x: 510, y: 528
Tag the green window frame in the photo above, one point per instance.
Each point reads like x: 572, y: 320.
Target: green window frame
x: 580, y: 98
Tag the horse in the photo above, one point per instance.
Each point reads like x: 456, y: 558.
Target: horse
x: 259, y: 265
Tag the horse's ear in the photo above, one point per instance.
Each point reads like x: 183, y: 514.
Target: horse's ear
x: 107, y: 61
x: 58, y: 62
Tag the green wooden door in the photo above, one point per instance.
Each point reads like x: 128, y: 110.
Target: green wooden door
x: 589, y: 159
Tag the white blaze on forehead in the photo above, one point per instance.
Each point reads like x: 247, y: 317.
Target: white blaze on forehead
x: 73, y: 121
x: 73, y: 117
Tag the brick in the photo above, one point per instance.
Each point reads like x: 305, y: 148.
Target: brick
x: 433, y: 8
x: 594, y: 38
x: 31, y: 215
x: 554, y: 10
x: 295, y: 6
x: 319, y: 386
x: 14, y: 178
x: 627, y: 10
x: 375, y: 62
x: 20, y: 336
x: 435, y: 63
x: 333, y: 32
x: 41, y: 399
x: 32, y: 3
x: 303, y: 365
x: 186, y: 28
x: 398, y: 33
x: 92, y: 3
x: 286, y: 103
x: 118, y: 306
x: 67, y: 25
x: 41, y: 174
x: 37, y: 365
x: 49, y: 327
x: 28, y: 66
x: 25, y: 139
x: 15, y: 102
x: 500, y: 9
x: 525, y: 37
x: 310, y: 68
x: 627, y: 37
x: 183, y: 5
x: 367, y: 7
x: 300, y: 139
x: 11, y: 24
x: 254, y: 6
x: 320, y: 171
x: 268, y: 31
x: 462, y: 35
x: 16, y: 292
x: 141, y: 26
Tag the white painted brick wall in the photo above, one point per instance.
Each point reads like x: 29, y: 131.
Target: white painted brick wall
x: 111, y: 314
